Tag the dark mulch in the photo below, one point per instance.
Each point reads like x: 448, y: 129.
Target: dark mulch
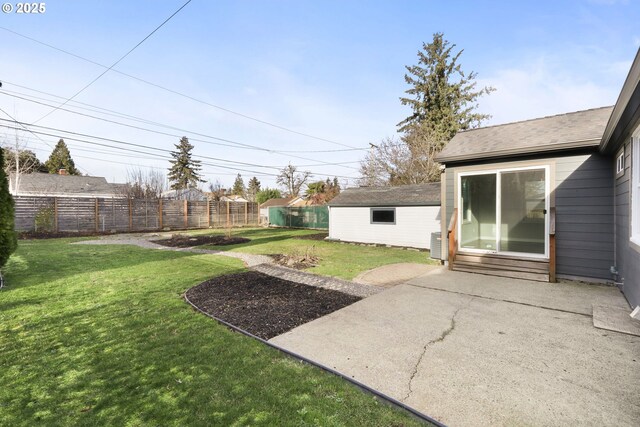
x: 186, y: 241
x: 263, y: 305
x: 27, y: 235
x: 319, y: 236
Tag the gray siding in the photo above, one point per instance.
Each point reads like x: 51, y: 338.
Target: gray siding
x: 627, y: 257
x: 584, y: 213
x: 584, y: 216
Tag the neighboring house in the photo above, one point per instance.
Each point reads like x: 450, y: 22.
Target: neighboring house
x: 277, y: 202
x: 185, y: 194
x: 554, y: 196
x: 298, y: 202
x: 62, y: 185
x: 233, y: 198
x: 400, y: 216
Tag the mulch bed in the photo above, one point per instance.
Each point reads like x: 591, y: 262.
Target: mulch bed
x: 319, y: 236
x: 263, y: 305
x: 186, y: 241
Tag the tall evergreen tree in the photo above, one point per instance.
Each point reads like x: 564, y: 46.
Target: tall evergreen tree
x: 60, y: 158
x: 443, y: 99
x: 238, y: 188
x: 8, y: 242
x: 253, y: 188
x: 184, y: 171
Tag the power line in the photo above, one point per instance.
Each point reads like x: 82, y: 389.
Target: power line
x: 106, y: 111
x: 179, y: 93
x: 13, y: 119
x: 342, y: 164
x: 155, y: 148
x: 150, y: 148
x: 117, y: 62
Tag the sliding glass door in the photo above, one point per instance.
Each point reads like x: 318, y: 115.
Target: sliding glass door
x: 504, y: 211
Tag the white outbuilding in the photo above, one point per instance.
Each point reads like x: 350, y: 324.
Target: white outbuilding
x: 399, y: 216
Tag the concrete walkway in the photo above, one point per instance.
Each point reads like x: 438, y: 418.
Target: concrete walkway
x: 479, y: 350
x: 260, y: 263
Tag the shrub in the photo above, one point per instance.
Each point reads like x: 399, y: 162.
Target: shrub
x: 8, y: 240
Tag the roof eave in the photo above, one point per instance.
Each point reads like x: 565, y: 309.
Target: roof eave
x: 629, y: 87
x: 572, y: 145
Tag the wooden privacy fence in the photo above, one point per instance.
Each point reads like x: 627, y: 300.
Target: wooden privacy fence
x: 89, y: 215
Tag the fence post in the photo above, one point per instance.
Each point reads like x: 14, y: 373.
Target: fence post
x: 55, y: 213
x: 97, y: 215
x: 186, y: 213
x: 160, y: 214
x: 130, y: 215
x: 246, y: 213
x: 228, y: 213
x: 208, y: 213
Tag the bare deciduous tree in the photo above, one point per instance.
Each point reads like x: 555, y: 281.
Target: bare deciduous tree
x: 291, y: 180
x: 19, y: 160
x: 145, y: 184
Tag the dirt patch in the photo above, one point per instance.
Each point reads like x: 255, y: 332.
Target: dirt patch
x: 28, y: 235
x: 393, y: 274
x: 186, y: 241
x: 297, y: 261
x: 319, y: 236
x: 265, y: 306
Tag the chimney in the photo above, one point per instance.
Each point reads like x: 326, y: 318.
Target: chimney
x: 62, y: 172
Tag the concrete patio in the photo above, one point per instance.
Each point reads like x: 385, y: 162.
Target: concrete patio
x: 469, y: 349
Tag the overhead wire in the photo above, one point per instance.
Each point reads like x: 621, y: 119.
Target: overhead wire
x: 115, y: 63
x: 177, y: 92
x: 340, y: 164
x: 109, y: 112
x: 137, y: 151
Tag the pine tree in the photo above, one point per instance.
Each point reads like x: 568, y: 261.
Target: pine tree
x: 184, y: 171
x: 442, y: 96
x: 253, y: 188
x: 60, y: 158
x: 8, y: 242
x: 443, y: 100
x: 238, y: 188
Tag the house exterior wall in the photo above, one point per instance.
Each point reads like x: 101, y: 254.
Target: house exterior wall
x: 581, y: 193
x: 627, y: 254
x: 412, y: 228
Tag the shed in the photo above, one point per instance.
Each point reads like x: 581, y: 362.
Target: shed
x: 399, y: 216
x: 264, y: 208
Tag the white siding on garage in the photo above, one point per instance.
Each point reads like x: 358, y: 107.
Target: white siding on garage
x: 413, y: 227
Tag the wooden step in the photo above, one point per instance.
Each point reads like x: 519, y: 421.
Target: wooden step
x: 523, y: 275
x: 484, y: 266
x: 493, y: 261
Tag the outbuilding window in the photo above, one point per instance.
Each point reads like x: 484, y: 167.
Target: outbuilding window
x: 383, y: 215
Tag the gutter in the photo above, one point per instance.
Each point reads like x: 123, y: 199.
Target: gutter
x: 582, y: 143
x: 632, y: 80
x: 383, y: 397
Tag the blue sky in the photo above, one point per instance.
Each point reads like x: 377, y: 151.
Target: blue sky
x: 331, y: 69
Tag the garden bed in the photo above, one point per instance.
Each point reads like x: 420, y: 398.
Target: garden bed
x: 186, y: 241
x: 263, y: 305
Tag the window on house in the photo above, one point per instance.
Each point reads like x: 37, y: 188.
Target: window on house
x: 635, y: 189
x: 383, y: 215
x: 620, y: 164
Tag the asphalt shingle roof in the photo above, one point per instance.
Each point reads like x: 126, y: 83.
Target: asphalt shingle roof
x: 276, y: 202
x: 403, y: 195
x: 553, y: 133
x: 52, y: 184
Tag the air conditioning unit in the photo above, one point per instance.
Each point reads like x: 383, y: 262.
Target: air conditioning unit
x: 436, y: 246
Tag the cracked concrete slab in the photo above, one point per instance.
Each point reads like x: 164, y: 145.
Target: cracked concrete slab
x: 533, y: 361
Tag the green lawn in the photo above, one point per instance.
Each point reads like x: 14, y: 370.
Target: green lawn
x: 100, y: 335
x: 336, y: 259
